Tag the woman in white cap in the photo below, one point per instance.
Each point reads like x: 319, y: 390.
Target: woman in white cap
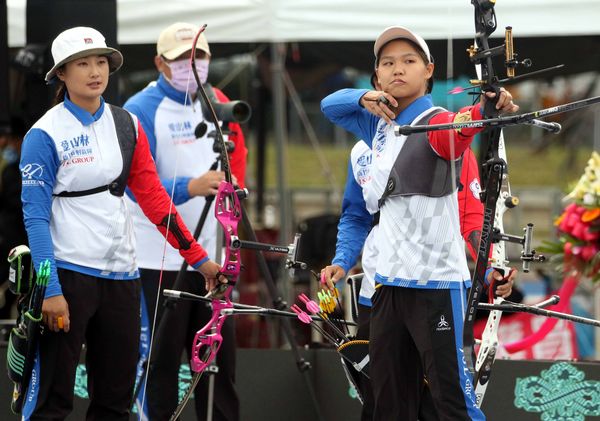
x: 357, y: 222
x: 76, y: 162
x: 421, y: 271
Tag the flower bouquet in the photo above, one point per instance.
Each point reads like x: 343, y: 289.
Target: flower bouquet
x: 578, y: 246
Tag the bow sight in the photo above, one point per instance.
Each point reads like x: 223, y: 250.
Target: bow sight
x: 478, y: 55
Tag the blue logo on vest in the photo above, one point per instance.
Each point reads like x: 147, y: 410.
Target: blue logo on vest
x: 76, y: 150
x: 182, y: 132
x: 364, y: 160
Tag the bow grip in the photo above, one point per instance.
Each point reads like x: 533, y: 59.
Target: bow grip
x: 228, y: 213
x: 489, y: 109
x: 495, y: 283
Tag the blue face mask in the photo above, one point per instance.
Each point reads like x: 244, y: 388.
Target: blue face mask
x: 10, y: 155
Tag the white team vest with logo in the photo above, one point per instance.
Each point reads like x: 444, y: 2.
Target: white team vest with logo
x: 419, y: 239
x: 94, y: 231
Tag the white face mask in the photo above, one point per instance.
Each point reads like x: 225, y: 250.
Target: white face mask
x: 182, y: 78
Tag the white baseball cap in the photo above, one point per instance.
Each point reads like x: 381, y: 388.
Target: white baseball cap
x: 81, y: 42
x: 177, y: 38
x: 399, y: 32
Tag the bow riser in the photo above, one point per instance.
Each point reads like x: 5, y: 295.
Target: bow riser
x: 207, y: 340
x: 228, y: 212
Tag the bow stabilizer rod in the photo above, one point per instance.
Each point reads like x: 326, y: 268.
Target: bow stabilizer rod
x: 504, y: 121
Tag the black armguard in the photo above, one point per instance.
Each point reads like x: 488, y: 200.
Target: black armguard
x: 175, y: 229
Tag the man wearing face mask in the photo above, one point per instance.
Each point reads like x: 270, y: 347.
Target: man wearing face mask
x: 169, y: 111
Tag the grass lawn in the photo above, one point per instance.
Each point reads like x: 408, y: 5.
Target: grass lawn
x: 527, y: 168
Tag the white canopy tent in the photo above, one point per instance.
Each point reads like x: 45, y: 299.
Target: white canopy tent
x: 139, y: 21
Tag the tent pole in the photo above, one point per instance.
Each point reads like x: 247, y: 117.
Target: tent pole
x: 285, y: 221
x: 280, y: 126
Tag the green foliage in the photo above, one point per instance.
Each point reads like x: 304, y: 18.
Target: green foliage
x: 554, y: 251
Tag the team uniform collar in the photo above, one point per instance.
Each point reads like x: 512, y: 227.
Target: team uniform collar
x: 171, y: 92
x: 85, y: 117
x: 416, y: 108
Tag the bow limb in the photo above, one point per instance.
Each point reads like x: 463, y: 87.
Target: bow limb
x: 225, y: 166
x: 228, y: 210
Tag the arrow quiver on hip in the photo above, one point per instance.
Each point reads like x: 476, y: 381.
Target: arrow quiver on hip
x: 24, y: 337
